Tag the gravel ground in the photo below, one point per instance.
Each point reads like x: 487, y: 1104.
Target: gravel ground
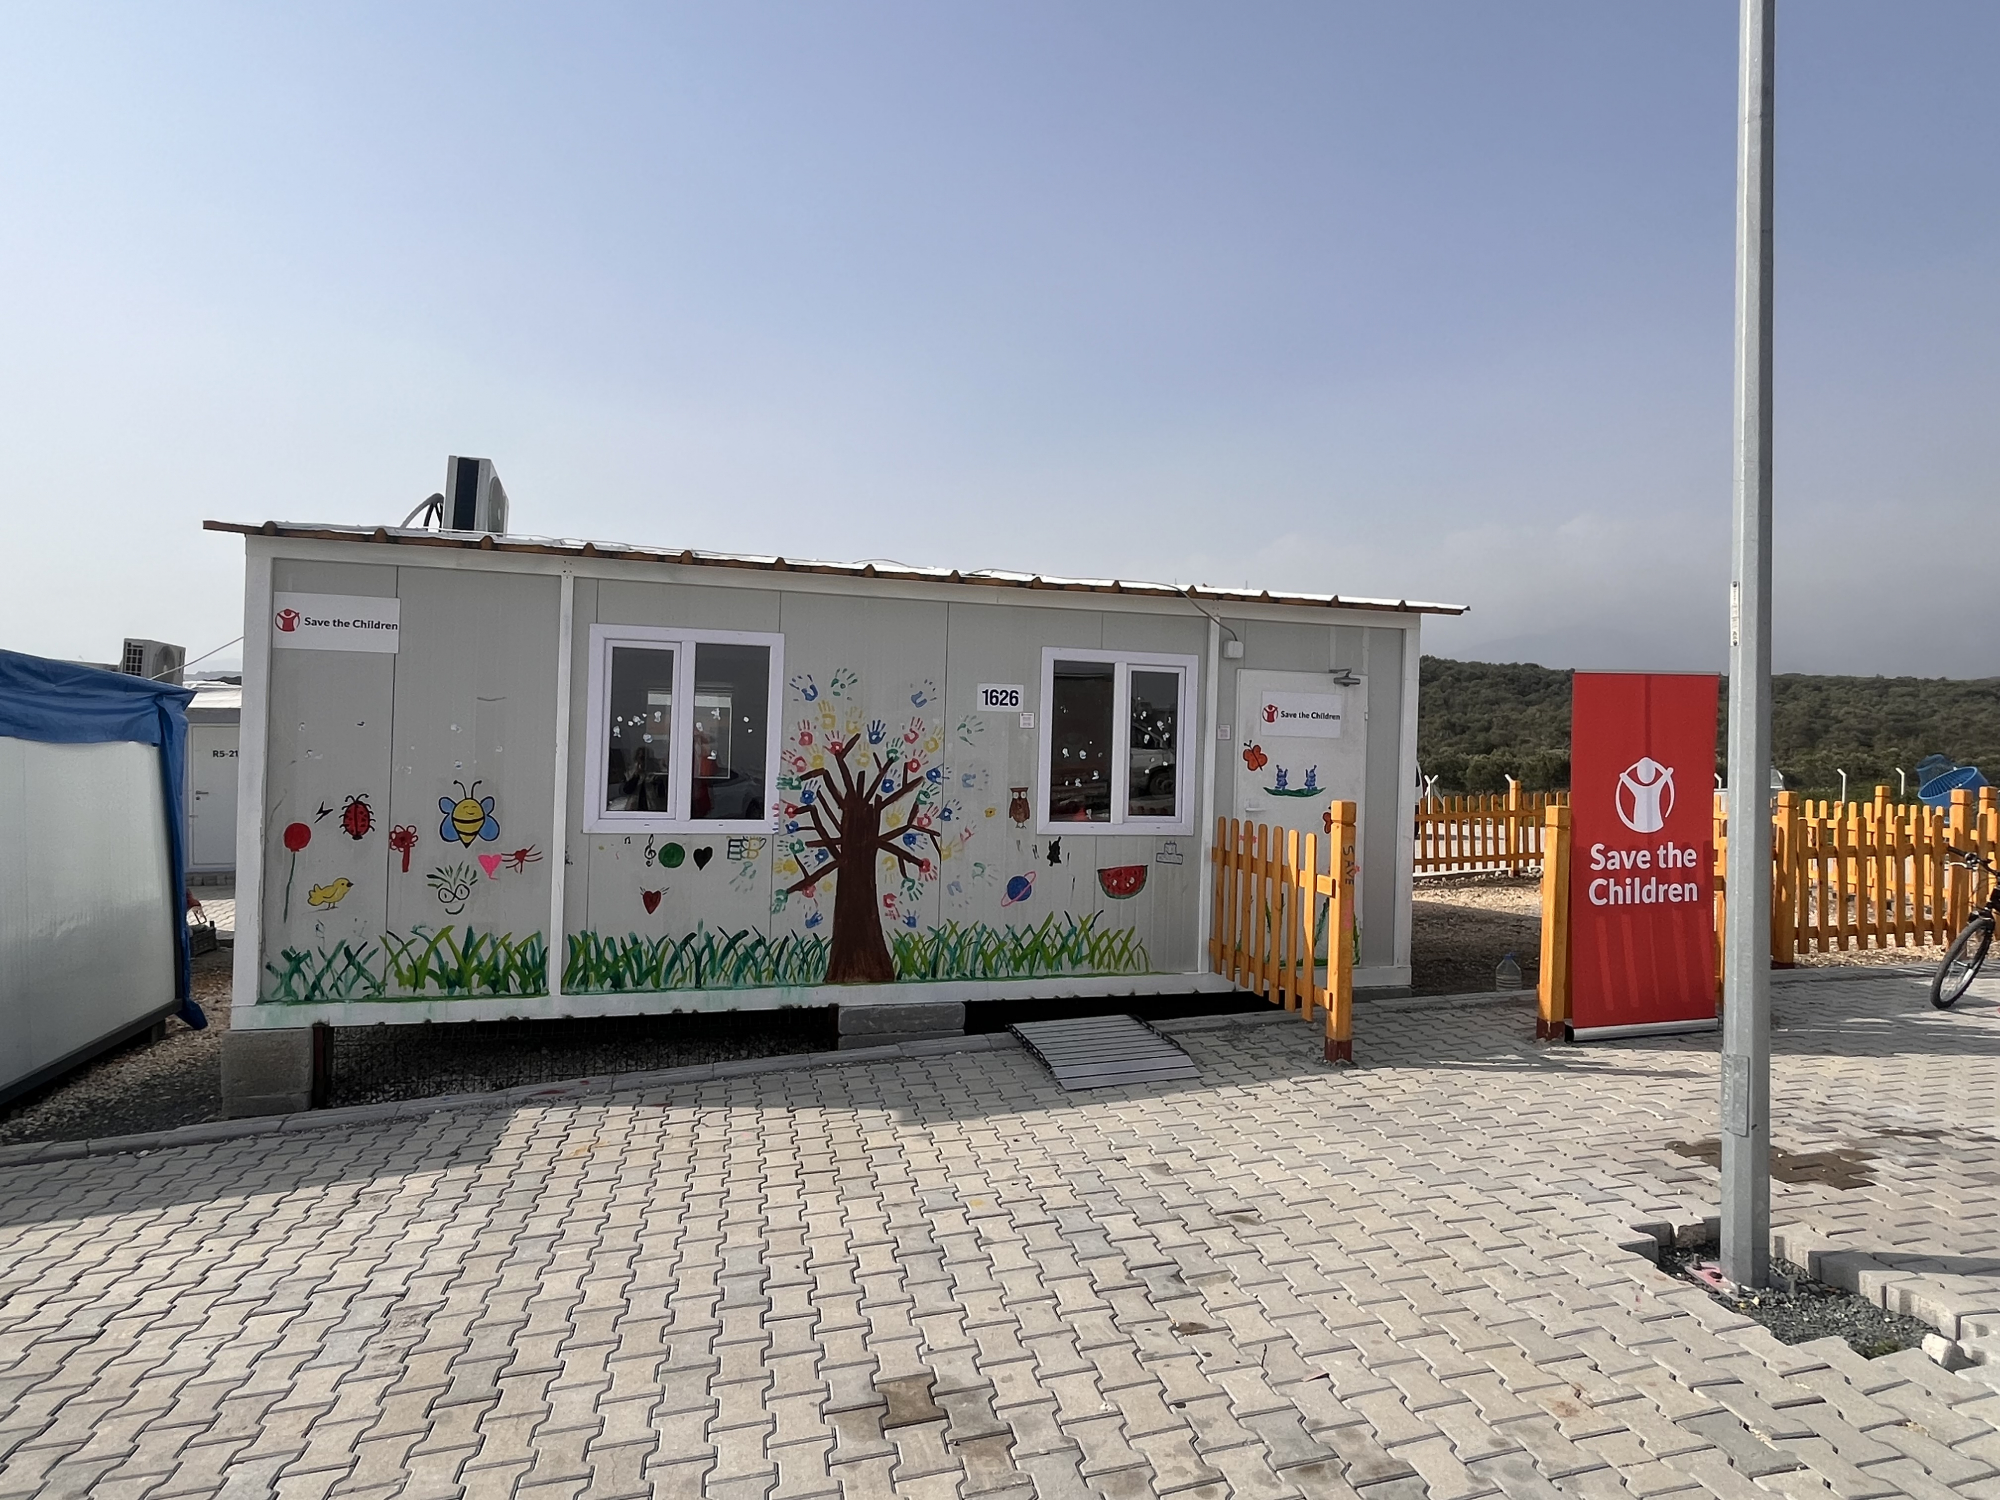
x: 147, y: 1085
x: 1875, y: 958
x: 1797, y: 1308
x: 144, y: 1085
x: 1461, y: 926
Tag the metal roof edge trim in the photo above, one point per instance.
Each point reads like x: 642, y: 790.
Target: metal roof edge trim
x: 688, y: 557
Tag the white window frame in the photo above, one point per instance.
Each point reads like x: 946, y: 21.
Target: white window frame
x: 1187, y: 743
x: 603, y: 640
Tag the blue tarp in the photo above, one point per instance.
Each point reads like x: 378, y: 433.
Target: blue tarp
x: 61, y: 703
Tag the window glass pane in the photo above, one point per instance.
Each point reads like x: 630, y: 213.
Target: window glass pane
x: 641, y: 720
x: 1080, y: 742
x: 1155, y: 720
x: 732, y: 730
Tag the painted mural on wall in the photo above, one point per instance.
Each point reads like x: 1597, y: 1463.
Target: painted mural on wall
x: 899, y: 850
x: 870, y: 835
x: 428, y: 960
x: 427, y: 964
x: 849, y: 814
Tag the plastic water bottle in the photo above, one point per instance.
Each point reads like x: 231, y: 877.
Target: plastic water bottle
x: 1507, y: 974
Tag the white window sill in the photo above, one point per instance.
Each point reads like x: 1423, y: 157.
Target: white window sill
x: 733, y: 828
x: 1116, y: 830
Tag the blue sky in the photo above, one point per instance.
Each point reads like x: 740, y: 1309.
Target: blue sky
x: 1427, y: 300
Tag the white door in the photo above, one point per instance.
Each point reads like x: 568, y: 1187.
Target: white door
x: 212, y: 799
x: 1302, y: 744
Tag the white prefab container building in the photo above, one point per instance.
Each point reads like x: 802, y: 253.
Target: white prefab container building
x: 214, y: 726
x: 488, y: 776
x: 93, y: 945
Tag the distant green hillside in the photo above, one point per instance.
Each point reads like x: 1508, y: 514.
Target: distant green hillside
x: 1480, y: 722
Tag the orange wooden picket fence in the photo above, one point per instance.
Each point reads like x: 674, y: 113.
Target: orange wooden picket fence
x: 1489, y: 833
x: 1283, y: 925
x: 1844, y: 876
x: 1877, y: 874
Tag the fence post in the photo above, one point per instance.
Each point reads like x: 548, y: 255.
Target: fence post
x: 1305, y: 892
x: 1784, y: 881
x: 1513, y: 826
x: 1340, y: 936
x: 1552, y: 995
x: 1962, y: 837
x: 1288, y: 892
x: 1218, y: 927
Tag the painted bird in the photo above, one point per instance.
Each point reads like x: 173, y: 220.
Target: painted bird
x: 331, y: 894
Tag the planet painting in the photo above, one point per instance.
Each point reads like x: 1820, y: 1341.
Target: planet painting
x: 1019, y: 889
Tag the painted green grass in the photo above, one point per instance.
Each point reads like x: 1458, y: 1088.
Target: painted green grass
x: 1059, y: 944
x: 704, y: 959
x: 442, y: 964
x: 422, y: 966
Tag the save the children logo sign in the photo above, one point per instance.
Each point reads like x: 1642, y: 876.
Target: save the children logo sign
x: 1645, y: 795
x: 1307, y: 716
x: 1642, y: 862
x: 335, y: 622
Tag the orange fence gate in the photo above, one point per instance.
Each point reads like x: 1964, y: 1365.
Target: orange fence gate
x: 1282, y: 926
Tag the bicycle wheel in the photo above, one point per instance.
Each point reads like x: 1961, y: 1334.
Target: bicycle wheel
x: 1961, y: 962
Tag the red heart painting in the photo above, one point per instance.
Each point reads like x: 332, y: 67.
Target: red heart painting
x: 490, y: 863
x: 652, y: 900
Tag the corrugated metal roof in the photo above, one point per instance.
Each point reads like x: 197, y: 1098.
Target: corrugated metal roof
x: 687, y: 557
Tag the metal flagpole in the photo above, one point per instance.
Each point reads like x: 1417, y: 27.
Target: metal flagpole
x: 1746, y: 988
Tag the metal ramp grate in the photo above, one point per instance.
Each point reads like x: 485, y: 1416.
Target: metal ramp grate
x: 1101, y: 1052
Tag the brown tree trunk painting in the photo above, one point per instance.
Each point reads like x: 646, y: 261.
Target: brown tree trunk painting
x: 847, y: 841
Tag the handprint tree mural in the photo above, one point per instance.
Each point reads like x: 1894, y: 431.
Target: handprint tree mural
x: 861, y: 801
x: 843, y: 816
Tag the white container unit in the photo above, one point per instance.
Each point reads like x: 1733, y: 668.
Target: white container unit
x: 214, y: 732
x: 490, y: 776
x: 92, y: 941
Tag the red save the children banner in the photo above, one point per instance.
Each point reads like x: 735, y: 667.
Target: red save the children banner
x: 1642, y: 856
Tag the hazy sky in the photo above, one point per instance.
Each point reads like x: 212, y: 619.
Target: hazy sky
x: 1427, y: 300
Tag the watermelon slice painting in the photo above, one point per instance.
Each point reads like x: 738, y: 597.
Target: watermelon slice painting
x: 1122, y: 882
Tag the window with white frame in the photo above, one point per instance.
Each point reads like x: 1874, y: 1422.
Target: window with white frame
x: 683, y: 730
x: 1118, y: 747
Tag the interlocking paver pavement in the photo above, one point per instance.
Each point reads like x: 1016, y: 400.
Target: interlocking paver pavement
x: 946, y: 1277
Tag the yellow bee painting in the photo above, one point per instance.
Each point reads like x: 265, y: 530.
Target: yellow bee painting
x: 330, y: 895
x: 468, y: 816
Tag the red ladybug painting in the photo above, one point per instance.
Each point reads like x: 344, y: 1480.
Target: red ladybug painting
x: 357, y: 817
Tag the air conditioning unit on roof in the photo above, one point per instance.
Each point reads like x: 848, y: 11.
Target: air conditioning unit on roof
x: 156, y: 661
x: 473, y: 497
